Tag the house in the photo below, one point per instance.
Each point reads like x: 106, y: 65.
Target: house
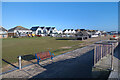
x: 3, y: 32
x: 65, y: 31
x: 39, y: 30
x: 53, y: 32
x: 60, y: 32
x: 44, y: 31
x: 73, y: 31
x: 104, y: 33
x: 113, y: 32
x: 19, y: 31
x: 82, y: 35
x: 97, y: 33
x: 94, y: 33
x: 49, y: 30
x: 69, y: 31
x: 78, y: 30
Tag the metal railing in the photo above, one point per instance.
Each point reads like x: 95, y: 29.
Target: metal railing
x: 103, y: 48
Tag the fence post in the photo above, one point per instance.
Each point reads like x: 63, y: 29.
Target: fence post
x: 20, y: 67
x: 112, y: 57
x: 101, y: 51
x: 94, y: 55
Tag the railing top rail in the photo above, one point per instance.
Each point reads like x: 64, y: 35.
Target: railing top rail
x: 107, y: 42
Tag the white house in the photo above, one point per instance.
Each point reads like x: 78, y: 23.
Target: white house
x: 19, y: 31
x: 69, y: 31
x: 44, y: 31
x: 73, y: 31
x: 49, y: 30
x: 59, y: 31
x: 39, y: 30
x: 3, y: 32
x: 65, y: 31
x: 54, y: 30
x: 96, y: 33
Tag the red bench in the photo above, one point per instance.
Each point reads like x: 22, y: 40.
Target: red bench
x: 43, y: 56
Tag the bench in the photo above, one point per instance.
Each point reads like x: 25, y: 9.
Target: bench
x: 43, y: 55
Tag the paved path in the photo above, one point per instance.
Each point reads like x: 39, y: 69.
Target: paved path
x: 75, y: 64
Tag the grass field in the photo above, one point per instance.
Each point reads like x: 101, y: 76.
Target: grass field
x: 13, y: 47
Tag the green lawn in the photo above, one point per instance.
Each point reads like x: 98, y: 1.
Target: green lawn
x: 13, y: 47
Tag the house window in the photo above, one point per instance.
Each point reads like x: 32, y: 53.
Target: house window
x: 26, y: 32
x: 39, y: 31
x: 44, y: 31
x: 50, y: 31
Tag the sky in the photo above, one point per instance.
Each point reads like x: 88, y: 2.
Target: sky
x: 60, y: 0
x: 62, y: 15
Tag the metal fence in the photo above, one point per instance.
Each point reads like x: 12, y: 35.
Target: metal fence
x: 103, y: 48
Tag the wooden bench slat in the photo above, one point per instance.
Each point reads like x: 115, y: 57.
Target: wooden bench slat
x: 43, y: 55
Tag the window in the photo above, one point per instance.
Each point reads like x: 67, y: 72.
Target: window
x: 44, y: 31
x: 50, y: 31
x: 26, y: 32
x: 39, y: 31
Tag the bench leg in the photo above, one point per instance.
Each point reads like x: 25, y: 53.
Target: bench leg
x: 52, y: 58
x: 38, y: 61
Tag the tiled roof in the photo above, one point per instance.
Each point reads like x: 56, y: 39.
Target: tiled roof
x: 2, y: 29
x: 72, y: 29
x: 48, y: 28
x: 34, y: 28
x: 42, y: 27
x: 82, y: 33
x: 53, y: 27
x: 18, y: 28
x: 64, y: 30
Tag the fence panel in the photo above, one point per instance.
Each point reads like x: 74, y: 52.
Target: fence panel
x: 103, y: 48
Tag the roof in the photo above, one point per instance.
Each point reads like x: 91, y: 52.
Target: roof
x: 64, y: 30
x: 42, y: 27
x: 72, y: 29
x: 34, y: 28
x: 53, y: 27
x: 18, y: 28
x: 48, y: 28
x: 82, y: 33
x: 82, y: 29
x: 2, y: 29
x: 68, y: 29
x: 78, y: 30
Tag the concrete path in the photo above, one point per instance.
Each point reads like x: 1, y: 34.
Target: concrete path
x: 75, y: 64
